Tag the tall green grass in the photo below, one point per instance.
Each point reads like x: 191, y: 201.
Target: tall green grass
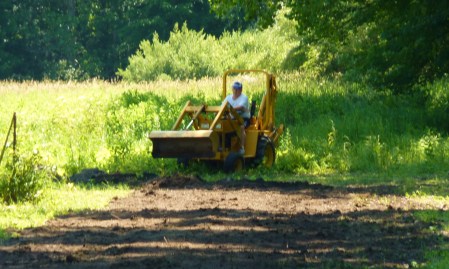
x: 340, y: 127
x: 332, y: 126
x: 73, y: 126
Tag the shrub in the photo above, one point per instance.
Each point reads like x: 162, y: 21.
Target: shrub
x: 436, y: 101
x: 129, y: 119
x: 190, y: 54
x: 184, y: 56
x: 23, y: 179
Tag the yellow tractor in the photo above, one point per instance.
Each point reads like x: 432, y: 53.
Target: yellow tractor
x: 212, y: 133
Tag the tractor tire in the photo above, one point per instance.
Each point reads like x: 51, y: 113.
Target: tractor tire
x: 265, y: 153
x: 234, y: 162
x: 183, y: 162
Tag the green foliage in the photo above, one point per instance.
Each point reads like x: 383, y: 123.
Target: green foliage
x: 435, y: 98
x: 345, y: 127
x: 260, y: 11
x: 177, y: 58
x: 23, y: 180
x: 129, y: 118
x: 83, y: 39
x: 209, y: 57
x: 332, y: 126
x: 388, y: 44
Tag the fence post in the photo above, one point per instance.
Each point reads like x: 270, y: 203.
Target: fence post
x: 14, y: 141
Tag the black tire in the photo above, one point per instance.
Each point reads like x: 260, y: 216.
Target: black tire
x: 234, y: 162
x: 265, y: 153
x: 183, y: 162
x: 211, y: 164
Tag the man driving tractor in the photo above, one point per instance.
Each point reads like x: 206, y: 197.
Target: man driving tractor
x: 239, y: 102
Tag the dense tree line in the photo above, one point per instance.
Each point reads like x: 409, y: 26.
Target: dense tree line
x: 391, y: 44
x: 388, y: 43
x: 73, y: 39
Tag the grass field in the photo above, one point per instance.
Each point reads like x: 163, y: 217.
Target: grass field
x: 337, y: 134
x: 332, y: 127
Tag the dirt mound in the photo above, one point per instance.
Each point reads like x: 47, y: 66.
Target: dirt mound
x: 190, y: 181
x: 260, y: 183
x: 174, y: 181
x: 97, y: 176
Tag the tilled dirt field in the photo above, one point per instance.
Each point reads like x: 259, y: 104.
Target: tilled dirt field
x: 182, y: 222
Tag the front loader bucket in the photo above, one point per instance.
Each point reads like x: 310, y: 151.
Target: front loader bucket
x: 184, y: 144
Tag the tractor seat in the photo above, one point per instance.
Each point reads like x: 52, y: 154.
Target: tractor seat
x: 253, y: 108
x: 252, y: 119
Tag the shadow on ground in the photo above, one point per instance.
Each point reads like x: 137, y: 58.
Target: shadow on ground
x: 182, y: 222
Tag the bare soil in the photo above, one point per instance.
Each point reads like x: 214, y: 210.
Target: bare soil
x: 183, y: 222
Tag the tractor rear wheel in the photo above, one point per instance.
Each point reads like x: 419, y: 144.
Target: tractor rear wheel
x: 234, y: 162
x: 265, y: 153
